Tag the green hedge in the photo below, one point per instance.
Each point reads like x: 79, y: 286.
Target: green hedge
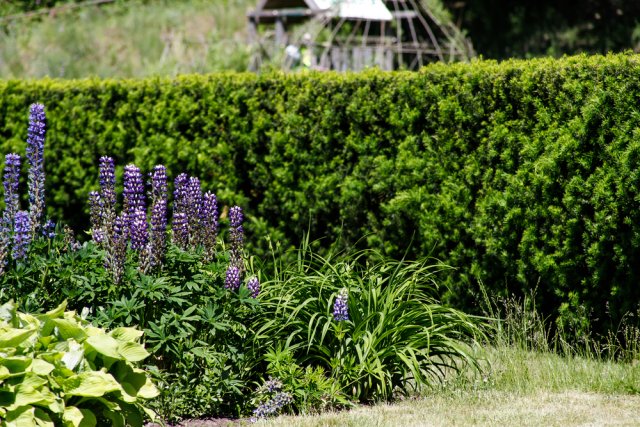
x: 523, y: 174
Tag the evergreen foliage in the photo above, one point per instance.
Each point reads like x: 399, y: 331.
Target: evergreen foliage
x: 522, y: 174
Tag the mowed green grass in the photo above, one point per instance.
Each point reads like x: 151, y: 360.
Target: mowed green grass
x: 517, y: 388
x: 128, y: 39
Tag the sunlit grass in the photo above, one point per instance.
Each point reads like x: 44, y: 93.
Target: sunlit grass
x: 128, y: 39
x: 522, y: 388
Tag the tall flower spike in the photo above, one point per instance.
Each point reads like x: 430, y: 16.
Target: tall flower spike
x: 35, y: 157
x: 21, y: 235
x: 133, y: 196
x: 10, y: 181
x: 209, y: 221
x: 194, y: 197
x: 180, y: 229
x: 340, y: 307
x: 11, y: 200
x: 236, y: 235
x: 138, y: 229
x: 180, y: 212
x: 107, y: 177
x: 158, y: 235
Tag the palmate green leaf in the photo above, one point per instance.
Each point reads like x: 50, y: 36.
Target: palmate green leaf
x: 75, y: 417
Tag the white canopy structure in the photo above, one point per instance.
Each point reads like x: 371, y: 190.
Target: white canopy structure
x: 351, y: 35
x: 374, y: 10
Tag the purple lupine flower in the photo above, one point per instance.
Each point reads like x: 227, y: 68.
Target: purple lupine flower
x: 95, y: 216
x: 158, y: 235
x: 236, y: 235
x: 340, y: 308
x: 21, y: 235
x: 232, y: 279
x: 194, y: 197
x: 254, y: 287
x: 273, y: 405
x: 209, y: 221
x: 180, y: 200
x: 49, y: 229
x: 35, y: 157
x: 138, y: 230
x: 10, y: 181
x: 180, y: 226
x: 133, y: 197
x: 180, y: 229
x: 108, y: 197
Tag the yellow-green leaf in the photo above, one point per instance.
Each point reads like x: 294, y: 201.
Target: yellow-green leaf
x: 132, y: 352
x: 69, y: 328
x: 40, y: 367
x: 104, y: 344
x: 90, y: 384
x: 10, y: 337
x: 79, y: 417
x: 126, y: 334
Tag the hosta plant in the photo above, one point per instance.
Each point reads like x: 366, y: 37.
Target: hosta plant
x: 371, y: 322
x: 56, y: 369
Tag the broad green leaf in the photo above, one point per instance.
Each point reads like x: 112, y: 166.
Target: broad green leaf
x: 28, y: 395
x: 90, y: 384
x: 148, y: 390
x: 40, y: 367
x: 4, y: 373
x: 126, y: 334
x: 7, y: 312
x: 15, y: 364
x: 10, y: 337
x: 132, y: 352
x: 104, y: 344
x: 92, y: 330
x: 69, y: 328
x: 34, y: 380
x: 56, y: 313
x: 23, y: 416
x: 79, y: 417
x: 43, y: 419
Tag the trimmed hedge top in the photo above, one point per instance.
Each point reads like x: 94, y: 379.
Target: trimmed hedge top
x: 522, y: 174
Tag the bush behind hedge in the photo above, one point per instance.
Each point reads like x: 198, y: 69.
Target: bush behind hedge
x: 522, y: 174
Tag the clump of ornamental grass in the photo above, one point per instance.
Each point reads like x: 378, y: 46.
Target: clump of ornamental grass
x: 371, y: 323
